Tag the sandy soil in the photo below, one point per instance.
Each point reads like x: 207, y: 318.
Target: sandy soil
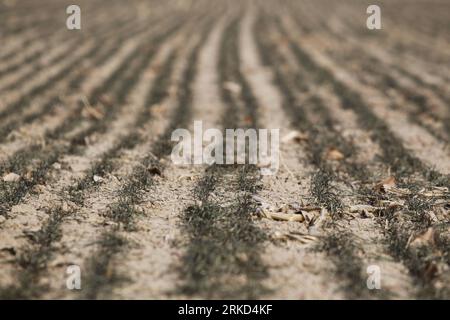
x: 85, y: 153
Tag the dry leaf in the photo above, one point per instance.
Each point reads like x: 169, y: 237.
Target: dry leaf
x: 314, y: 228
x: 294, y: 136
x: 363, y: 207
x: 11, y: 177
x: 334, y: 154
x: 232, y: 87
x: 248, y: 120
x: 366, y: 211
x: 279, y: 216
x: 91, y: 112
x: 295, y: 236
x: 309, y: 216
x: 105, y: 100
x: 426, y: 238
x: 386, y: 184
x: 431, y: 270
x: 287, y: 212
x: 242, y: 257
x: 435, y: 192
x: 158, y: 108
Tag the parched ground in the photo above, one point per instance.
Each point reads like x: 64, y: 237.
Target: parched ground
x: 87, y: 179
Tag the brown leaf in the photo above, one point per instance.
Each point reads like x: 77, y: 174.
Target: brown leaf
x: 279, y: 216
x: 105, y: 100
x: 385, y: 185
x: 426, y: 238
x: 90, y: 112
x: 334, y: 154
x: 158, y: 108
x: 248, y: 120
x: 294, y: 136
x: 93, y: 113
x: 431, y: 270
